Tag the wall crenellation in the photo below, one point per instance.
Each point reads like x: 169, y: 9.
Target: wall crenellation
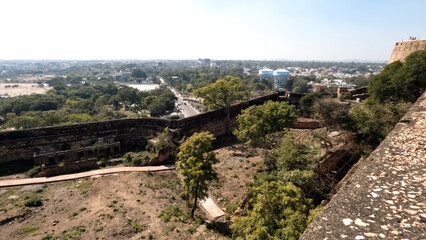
x: 404, y: 48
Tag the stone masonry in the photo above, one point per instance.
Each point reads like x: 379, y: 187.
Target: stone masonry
x: 386, y: 196
x: 405, y: 48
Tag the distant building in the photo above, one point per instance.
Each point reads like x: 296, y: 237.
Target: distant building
x: 122, y: 76
x: 280, y: 76
x: 204, y: 61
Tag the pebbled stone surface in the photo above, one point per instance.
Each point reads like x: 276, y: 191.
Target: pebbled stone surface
x: 386, y: 196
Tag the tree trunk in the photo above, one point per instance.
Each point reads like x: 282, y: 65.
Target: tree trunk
x: 195, y: 202
x: 227, y: 121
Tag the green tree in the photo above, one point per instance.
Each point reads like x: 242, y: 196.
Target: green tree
x: 383, y: 86
x: 414, y: 71
x: 195, y: 164
x: 221, y: 94
x: 165, y: 141
x: 276, y: 211
x: 307, y: 101
x: 333, y: 114
x: 78, y: 118
x: 256, y: 122
x: 139, y: 73
x: 400, y: 81
x: 373, y: 122
x: 23, y: 122
x: 300, y: 85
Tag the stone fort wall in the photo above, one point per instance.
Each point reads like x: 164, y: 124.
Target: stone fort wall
x: 29, y: 143
x: 405, y: 48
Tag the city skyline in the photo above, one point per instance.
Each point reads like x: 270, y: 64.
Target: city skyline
x: 244, y: 30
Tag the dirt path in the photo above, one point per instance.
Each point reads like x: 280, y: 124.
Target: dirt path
x: 28, y: 181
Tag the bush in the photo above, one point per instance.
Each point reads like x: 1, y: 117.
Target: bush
x: 173, y: 117
x: 47, y: 237
x: 33, y: 172
x: 100, y: 149
x: 34, y: 201
x: 28, y: 229
x: 137, y: 161
x: 174, y: 211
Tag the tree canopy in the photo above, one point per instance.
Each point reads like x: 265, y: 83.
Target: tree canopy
x: 333, y: 114
x: 221, y: 94
x: 278, y: 210
x: 195, y: 164
x: 307, y: 101
x: 224, y: 92
x: 400, y: 81
x: 256, y: 122
x: 139, y: 73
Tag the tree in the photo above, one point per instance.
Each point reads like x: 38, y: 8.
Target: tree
x: 383, y: 87
x: 23, y: 122
x: 139, y: 73
x: 256, y: 122
x: 400, y: 81
x: 300, y: 85
x: 414, y: 70
x: 333, y: 114
x: 374, y: 121
x: 307, y: 101
x: 276, y: 211
x: 195, y: 164
x: 222, y: 94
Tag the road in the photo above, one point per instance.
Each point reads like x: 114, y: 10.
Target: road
x: 185, y: 107
x: 66, y: 177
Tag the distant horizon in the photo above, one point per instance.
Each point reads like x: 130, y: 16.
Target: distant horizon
x: 308, y: 30
x: 196, y: 59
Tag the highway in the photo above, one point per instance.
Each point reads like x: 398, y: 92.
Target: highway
x: 184, y: 107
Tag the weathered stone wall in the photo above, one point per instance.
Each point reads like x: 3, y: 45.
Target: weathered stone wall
x: 385, y: 197
x: 30, y: 143
x: 405, y: 48
x: 25, y: 144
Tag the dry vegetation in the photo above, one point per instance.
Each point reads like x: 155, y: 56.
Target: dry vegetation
x: 116, y: 206
x: 122, y: 206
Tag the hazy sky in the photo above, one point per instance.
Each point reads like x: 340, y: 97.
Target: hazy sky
x: 216, y: 29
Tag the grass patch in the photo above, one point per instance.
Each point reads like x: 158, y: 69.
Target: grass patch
x: 28, y: 229
x: 141, y: 159
x: 85, y: 185
x: 33, y: 201
x: 47, y: 237
x: 231, y: 208
x: 136, y: 227
x: 33, y: 172
x: 73, y: 214
x: 168, y: 213
x: 76, y: 231
x: 82, y: 209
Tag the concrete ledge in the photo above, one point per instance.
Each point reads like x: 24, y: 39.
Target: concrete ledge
x: 386, y: 197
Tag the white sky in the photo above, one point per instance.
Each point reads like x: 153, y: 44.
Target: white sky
x: 186, y: 29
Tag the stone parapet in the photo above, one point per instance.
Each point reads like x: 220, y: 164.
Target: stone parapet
x: 385, y: 198
x: 404, y: 48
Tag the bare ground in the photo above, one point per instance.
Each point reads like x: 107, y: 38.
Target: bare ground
x: 118, y: 206
x: 111, y: 206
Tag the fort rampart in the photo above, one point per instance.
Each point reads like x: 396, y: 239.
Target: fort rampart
x: 404, y: 48
x: 32, y: 144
